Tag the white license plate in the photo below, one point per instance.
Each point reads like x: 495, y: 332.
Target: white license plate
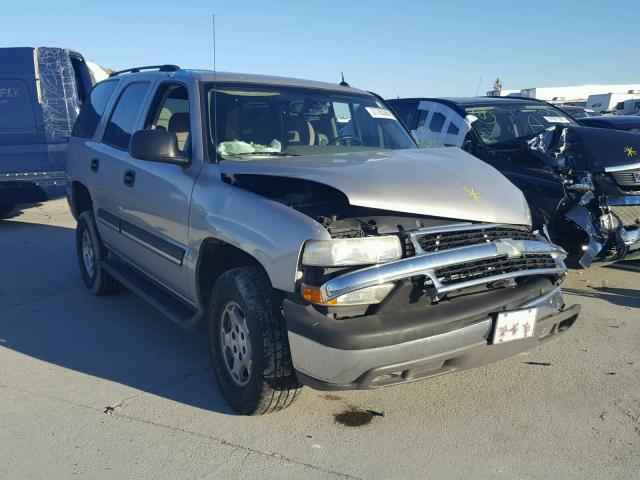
x: 514, y: 325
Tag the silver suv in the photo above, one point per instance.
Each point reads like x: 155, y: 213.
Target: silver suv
x: 301, y: 223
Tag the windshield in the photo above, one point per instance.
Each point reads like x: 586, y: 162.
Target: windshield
x: 259, y: 121
x: 508, y: 121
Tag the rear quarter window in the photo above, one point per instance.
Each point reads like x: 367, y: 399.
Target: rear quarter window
x: 16, y: 108
x: 92, y: 111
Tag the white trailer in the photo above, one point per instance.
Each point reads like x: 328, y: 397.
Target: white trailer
x: 607, y: 102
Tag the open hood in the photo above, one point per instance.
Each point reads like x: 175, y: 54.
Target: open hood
x: 588, y: 149
x: 444, y: 182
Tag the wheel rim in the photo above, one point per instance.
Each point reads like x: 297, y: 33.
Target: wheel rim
x: 87, y: 253
x: 235, y: 343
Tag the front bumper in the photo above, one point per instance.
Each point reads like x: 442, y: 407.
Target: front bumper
x: 342, y: 358
x: 613, y: 244
x: 430, y: 264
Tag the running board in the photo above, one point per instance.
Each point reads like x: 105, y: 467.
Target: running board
x: 156, y: 295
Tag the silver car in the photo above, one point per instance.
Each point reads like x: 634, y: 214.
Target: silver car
x: 301, y: 223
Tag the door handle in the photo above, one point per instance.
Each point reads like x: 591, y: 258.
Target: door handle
x: 95, y: 164
x: 129, y: 178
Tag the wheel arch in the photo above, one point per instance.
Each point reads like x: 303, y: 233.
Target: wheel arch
x: 80, y: 199
x: 215, y: 257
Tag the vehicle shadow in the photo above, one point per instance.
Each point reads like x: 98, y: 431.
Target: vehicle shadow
x: 625, y: 297
x: 18, y: 210
x: 46, y: 313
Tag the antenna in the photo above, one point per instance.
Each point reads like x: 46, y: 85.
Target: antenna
x: 215, y: 89
x: 478, y: 87
x: 343, y: 83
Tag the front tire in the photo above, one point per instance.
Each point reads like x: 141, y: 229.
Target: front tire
x: 90, y: 251
x: 249, y: 344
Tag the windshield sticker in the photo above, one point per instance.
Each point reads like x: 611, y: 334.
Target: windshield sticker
x: 380, y: 113
x: 556, y: 119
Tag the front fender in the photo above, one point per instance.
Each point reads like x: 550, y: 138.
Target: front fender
x: 269, y: 231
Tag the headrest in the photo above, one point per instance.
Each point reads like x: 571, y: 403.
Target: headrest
x: 179, y: 122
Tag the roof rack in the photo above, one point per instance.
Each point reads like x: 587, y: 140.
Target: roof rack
x: 160, y: 68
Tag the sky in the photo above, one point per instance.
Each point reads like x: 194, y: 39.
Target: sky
x: 393, y: 47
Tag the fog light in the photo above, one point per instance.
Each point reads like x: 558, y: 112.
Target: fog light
x: 365, y: 296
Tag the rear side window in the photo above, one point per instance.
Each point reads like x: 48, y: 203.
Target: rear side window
x: 437, y: 122
x: 16, y: 110
x: 453, y: 130
x: 422, y: 117
x: 92, y: 111
x: 122, y: 121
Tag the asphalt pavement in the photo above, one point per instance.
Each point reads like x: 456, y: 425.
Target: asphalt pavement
x: 105, y: 387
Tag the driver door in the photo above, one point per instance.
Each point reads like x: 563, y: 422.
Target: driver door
x: 157, y: 199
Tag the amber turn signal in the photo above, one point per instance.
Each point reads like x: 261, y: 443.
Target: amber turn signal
x: 313, y: 295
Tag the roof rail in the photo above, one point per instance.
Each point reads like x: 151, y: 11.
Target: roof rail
x: 160, y: 68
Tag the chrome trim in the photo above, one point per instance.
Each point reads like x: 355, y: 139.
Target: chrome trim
x: 546, y: 305
x: 621, y: 168
x: 464, y: 227
x: 427, y: 264
x: 32, y: 176
x: 623, y: 201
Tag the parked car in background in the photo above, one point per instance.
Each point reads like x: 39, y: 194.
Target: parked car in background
x: 628, y: 123
x: 41, y: 91
x: 582, y: 184
x: 577, y: 111
x: 630, y: 106
x: 301, y: 223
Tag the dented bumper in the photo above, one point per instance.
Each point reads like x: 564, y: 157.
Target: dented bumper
x: 615, y: 234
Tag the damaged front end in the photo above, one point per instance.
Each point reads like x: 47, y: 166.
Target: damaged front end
x: 388, y: 297
x: 599, y: 217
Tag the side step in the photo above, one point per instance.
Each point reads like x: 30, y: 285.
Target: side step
x: 159, y: 297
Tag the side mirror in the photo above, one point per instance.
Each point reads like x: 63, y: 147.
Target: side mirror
x: 157, y: 146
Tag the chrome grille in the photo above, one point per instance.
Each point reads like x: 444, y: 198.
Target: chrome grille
x: 473, y: 235
x: 626, y: 179
x: 491, y: 267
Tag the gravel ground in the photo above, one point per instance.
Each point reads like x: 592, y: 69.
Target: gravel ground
x: 106, y: 388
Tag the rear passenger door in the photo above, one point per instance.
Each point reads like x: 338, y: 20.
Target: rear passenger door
x: 155, y: 206
x: 88, y: 163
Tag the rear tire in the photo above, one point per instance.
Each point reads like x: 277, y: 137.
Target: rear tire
x: 90, y: 250
x: 249, y: 344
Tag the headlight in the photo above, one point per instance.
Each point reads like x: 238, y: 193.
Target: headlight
x: 351, y: 251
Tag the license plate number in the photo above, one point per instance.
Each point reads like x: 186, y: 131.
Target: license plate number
x: 514, y: 325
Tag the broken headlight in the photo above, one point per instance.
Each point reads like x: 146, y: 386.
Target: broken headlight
x: 351, y: 251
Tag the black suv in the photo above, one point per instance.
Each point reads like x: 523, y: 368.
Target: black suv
x: 582, y: 184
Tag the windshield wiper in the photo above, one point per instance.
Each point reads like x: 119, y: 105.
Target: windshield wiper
x: 271, y: 154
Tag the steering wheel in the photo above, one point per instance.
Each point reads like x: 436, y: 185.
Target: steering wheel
x: 347, y: 140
